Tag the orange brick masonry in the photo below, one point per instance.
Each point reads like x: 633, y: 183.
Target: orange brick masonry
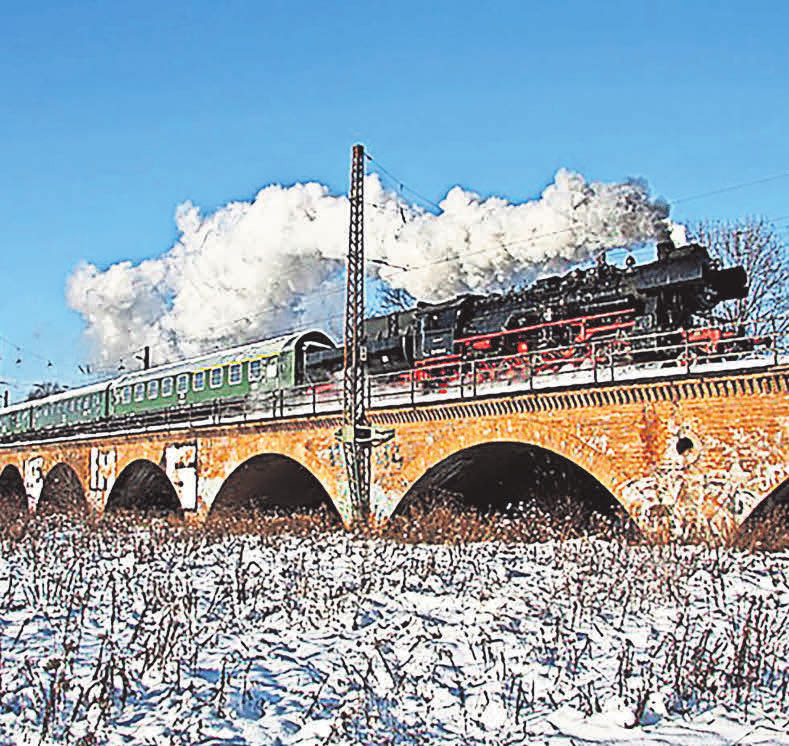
x: 733, y: 434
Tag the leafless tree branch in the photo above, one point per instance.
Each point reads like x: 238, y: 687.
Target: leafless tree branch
x: 755, y: 244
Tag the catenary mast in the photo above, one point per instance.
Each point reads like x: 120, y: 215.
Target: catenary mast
x: 357, y: 436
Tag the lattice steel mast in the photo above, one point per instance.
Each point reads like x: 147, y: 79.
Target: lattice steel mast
x: 357, y: 436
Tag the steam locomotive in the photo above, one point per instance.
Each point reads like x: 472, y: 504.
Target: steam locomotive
x: 646, y: 312
x: 644, y: 307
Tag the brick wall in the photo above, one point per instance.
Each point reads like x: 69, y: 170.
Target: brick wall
x: 679, y: 456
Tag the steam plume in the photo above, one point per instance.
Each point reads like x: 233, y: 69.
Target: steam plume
x: 260, y: 268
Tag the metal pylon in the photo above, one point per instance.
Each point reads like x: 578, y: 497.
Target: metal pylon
x: 356, y: 434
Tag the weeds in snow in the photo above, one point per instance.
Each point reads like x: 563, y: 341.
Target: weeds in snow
x: 123, y: 631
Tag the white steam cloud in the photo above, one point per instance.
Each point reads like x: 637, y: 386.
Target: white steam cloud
x: 261, y: 268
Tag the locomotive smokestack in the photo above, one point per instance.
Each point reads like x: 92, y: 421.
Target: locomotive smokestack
x: 665, y: 249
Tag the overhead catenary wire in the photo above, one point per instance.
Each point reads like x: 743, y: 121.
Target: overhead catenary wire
x: 403, y: 186
x: 731, y: 188
x: 227, y: 327
x: 23, y: 350
x: 399, y: 270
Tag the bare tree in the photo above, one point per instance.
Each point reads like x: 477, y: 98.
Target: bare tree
x: 757, y: 246
x: 46, y: 388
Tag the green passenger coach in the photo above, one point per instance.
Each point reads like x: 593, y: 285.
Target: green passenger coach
x: 254, y: 368
x: 238, y: 374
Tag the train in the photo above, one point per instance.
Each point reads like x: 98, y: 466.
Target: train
x: 648, y: 310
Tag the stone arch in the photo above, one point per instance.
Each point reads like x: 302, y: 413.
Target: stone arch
x: 143, y: 487
x: 266, y: 481
x: 593, y: 455
x: 767, y: 524
x: 13, y: 496
x: 500, y: 476
x: 62, y: 492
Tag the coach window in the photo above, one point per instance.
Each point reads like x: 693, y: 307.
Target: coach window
x: 126, y: 394
x: 153, y: 389
x: 198, y: 380
x: 271, y: 369
x: 234, y: 374
x: 139, y: 391
x: 254, y: 370
x: 183, y: 383
x: 216, y: 378
x: 167, y: 386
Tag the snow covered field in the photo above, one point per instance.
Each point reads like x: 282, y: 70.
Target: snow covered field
x: 163, y: 635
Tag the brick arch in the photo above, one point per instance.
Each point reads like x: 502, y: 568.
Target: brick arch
x: 142, y: 486
x: 443, y: 442
x: 768, y: 485
x: 62, y: 491
x: 766, y: 518
x: 13, y: 497
x: 283, y: 480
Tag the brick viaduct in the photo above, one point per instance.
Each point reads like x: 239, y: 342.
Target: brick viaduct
x: 690, y: 454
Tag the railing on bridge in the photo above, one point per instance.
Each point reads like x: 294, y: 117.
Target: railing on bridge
x: 720, y: 349
x: 723, y: 348
x: 726, y: 347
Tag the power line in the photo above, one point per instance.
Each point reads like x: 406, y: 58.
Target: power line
x: 403, y: 185
x: 399, y: 271
x: 22, y: 350
x: 228, y: 326
x: 731, y: 188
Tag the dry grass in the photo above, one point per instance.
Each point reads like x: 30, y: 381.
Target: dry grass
x: 434, y: 518
x: 767, y: 532
x: 138, y: 580
x: 443, y: 519
x: 142, y: 583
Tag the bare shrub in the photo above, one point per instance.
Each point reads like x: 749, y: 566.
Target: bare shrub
x: 441, y: 518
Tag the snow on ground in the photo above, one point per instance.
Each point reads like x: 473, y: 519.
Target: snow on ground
x: 160, y: 635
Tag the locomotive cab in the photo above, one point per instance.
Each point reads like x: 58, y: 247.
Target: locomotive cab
x: 438, y: 326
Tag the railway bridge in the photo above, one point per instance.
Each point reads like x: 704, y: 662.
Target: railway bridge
x: 680, y: 450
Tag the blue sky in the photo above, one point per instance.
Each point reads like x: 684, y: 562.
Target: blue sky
x: 114, y: 113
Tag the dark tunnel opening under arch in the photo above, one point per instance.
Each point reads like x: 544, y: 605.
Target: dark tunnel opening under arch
x: 270, y: 483
x: 13, y: 495
x: 515, y: 480
x: 767, y: 525
x: 62, y: 492
x: 143, y: 487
